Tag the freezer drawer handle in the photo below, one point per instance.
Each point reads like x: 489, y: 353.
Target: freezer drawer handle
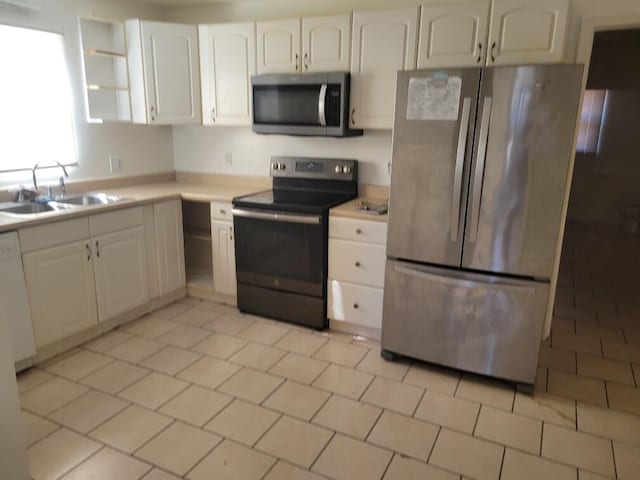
x: 277, y: 217
x: 479, y: 173
x: 462, y: 281
x: 459, y: 167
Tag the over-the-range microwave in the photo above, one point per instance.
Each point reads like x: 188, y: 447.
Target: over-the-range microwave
x: 314, y: 104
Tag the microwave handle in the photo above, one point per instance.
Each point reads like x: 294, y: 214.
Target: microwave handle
x: 322, y: 114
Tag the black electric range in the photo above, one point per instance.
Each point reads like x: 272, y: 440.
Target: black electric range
x: 281, y: 238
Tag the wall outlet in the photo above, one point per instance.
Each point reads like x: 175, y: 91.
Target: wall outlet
x: 228, y: 159
x: 115, y: 164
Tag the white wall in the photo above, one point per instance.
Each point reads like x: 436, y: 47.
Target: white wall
x: 143, y: 149
x: 203, y: 149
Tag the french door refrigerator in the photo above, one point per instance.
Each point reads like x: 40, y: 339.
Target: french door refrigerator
x: 480, y: 163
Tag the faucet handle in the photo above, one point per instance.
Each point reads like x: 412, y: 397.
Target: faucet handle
x: 62, y: 187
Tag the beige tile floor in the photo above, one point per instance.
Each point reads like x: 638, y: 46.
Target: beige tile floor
x: 198, y: 391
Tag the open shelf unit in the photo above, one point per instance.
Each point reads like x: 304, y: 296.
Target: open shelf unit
x: 196, y: 219
x: 105, y: 70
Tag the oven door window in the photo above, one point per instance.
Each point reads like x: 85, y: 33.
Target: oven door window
x: 281, y: 255
x: 295, y: 105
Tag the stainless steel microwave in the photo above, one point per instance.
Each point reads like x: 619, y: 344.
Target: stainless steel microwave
x: 313, y: 104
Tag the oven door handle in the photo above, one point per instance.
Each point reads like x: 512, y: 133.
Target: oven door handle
x: 277, y: 217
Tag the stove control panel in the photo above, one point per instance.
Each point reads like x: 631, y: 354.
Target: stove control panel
x: 318, y: 168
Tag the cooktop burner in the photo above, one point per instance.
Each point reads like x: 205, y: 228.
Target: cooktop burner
x: 311, y: 185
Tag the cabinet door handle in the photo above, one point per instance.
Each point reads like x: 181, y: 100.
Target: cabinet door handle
x: 213, y: 114
x: 357, y: 264
x: 493, y: 57
x: 479, y: 52
x: 153, y: 116
x: 231, y: 232
x: 297, y: 56
x: 356, y: 306
x: 88, y: 252
x: 223, y: 211
x: 353, y: 112
x: 97, y: 249
x: 306, y: 61
x: 358, y: 231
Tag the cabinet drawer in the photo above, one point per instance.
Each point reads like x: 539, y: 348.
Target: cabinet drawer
x: 359, y: 230
x: 221, y: 211
x: 355, y: 304
x: 115, y: 221
x: 357, y: 262
x: 53, y: 234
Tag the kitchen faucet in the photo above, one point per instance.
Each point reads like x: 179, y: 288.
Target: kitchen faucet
x: 61, y: 184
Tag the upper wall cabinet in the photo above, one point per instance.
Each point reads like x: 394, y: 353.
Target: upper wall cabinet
x: 227, y: 61
x: 453, y: 35
x: 324, y: 47
x: 163, y: 69
x: 326, y: 43
x: 278, y: 43
x: 523, y: 31
x: 383, y: 43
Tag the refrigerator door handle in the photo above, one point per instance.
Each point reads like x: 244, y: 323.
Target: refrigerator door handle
x: 460, y: 279
x: 479, y: 172
x: 457, y: 175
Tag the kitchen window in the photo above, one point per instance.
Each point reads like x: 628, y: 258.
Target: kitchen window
x: 36, y: 107
x: 591, y: 120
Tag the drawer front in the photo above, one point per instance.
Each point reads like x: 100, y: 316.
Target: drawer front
x: 53, y: 234
x: 355, y: 304
x: 359, y: 230
x: 357, y: 262
x: 221, y: 211
x: 116, y: 220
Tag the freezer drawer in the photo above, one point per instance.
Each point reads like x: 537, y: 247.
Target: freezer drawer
x: 478, y: 323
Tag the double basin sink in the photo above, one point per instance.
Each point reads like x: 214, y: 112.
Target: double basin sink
x: 61, y: 204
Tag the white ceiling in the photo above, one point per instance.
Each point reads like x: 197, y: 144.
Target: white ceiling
x: 183, y: 3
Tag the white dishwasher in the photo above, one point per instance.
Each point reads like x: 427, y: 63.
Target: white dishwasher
x: 14, y: 302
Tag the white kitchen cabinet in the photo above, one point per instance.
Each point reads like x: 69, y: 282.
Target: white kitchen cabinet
x: 169, y: 245
x: 522, y: 31
x: 120, y: 262
x: 453, y: 35
x: 163, y: 71
x: 224, y: 258
x: 326, y: 43
x: 356, y: 274
x: 383, y: 42
x: 278, y: 46
x: 61, y: 288
x: 227, y: 62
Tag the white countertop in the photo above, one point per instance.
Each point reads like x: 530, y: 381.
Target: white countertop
x: 350, y: 210
x: 134, y: 195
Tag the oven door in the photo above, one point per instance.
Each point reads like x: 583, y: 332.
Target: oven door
x: 280, y: 251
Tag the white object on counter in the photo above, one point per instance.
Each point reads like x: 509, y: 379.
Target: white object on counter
x: 13, y: 298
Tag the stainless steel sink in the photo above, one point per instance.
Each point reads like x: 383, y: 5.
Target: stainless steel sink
x: 28, y: 208
x: 89, y: 199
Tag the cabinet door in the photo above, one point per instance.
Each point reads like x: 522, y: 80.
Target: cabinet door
x: 278, y: 44
x: 170, y: 55
x: 121, y: 272
x: 224, y: 258
x: 522, y: 31
x: 169, y: 245
x: 227, y: 61
x: 383, y: 43
x: 61, y: 291
x: 453, y: 35
x: 326, y: 43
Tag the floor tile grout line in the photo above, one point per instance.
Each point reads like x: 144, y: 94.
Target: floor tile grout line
x: 322, y: 450
x: 93, y: 454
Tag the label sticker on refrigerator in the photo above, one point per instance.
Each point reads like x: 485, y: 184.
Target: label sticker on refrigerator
x: 435, y: 98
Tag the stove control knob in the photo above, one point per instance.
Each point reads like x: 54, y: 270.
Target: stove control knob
x: 283, y: 166
x: 338, y: 169
x: 346, y: 169
x: 274, y: 166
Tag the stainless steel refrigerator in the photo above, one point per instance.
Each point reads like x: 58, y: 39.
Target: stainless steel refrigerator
x: 480, y: 163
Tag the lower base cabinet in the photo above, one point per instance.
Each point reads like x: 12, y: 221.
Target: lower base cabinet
x: 224, y: 258
x: 61, y: 289
x: 121, y: 272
